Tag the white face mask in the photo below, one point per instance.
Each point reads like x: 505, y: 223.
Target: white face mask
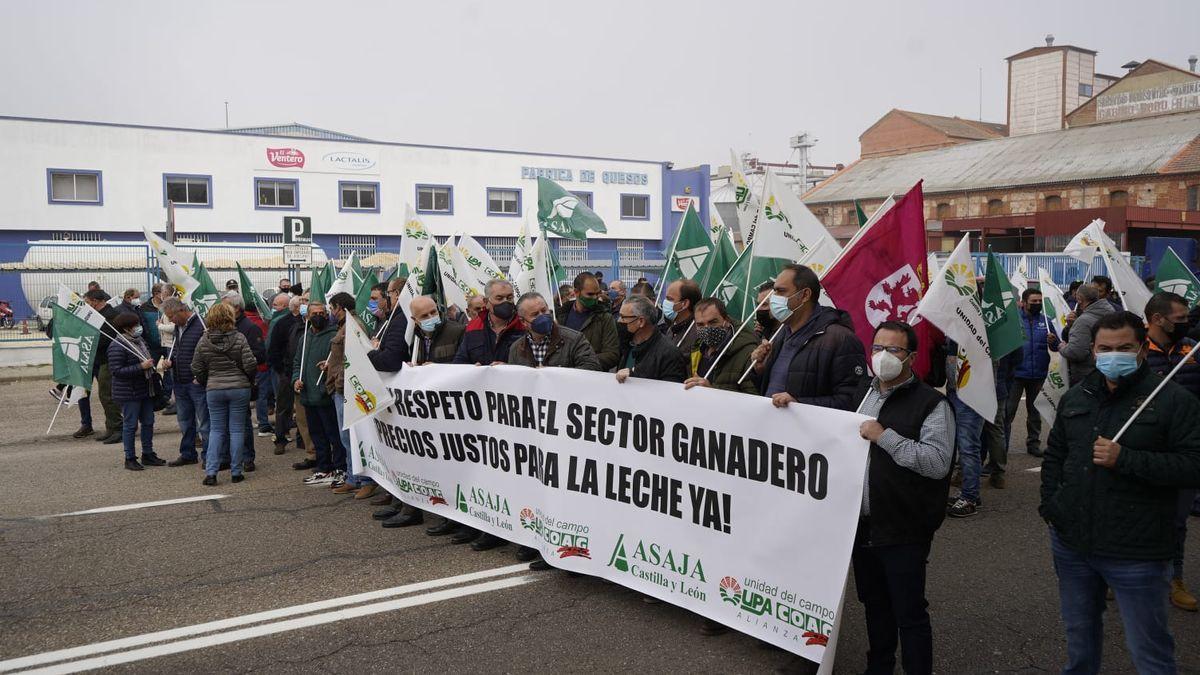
x: 886, y: 366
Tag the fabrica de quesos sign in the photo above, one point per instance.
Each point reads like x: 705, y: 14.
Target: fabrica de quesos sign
x: 351, y: 161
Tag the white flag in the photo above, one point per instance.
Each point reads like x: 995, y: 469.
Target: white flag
x: 1127, y: 284
x: 362, y: 386
x: 457, y: 280
x: 1053, y: 387
x: 174, y: 268
x: 1083, y: 246
x: 479, y: 261
x: 415, y: 239
x: 952, y: 304
x: 537, y: 278
x: 521, y: 265
x: 786, y: 228
x: 1054, y: 305
x: 716, y: 225
x: 344, y: 282
x: 747, y: 203
x: 74, y: 303
x: 1020, y: 276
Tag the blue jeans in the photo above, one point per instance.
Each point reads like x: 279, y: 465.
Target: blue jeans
x: 191, y: 408
x: 133, y: 412
x: 322, y: 427
x: 248, y: 439
x: 968, y: 427
x: 1141, y: 588
x: 339, y: 403
x: 227, y: 410
x: 266, y: 394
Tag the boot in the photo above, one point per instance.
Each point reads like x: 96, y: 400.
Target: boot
x: 1181, y: 598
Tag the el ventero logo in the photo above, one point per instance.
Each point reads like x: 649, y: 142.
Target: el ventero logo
x: 675, y: 571
x: 570, y: 538
x: 757, y: 601
x: 484, y: 505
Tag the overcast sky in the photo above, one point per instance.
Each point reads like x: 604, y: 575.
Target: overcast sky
x: 646, y: 79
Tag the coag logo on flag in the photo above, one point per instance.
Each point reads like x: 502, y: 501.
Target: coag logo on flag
x: 895, y: 297
x: 964, y: 369
x: 364, y: 399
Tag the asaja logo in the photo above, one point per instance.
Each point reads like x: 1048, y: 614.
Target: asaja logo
x: 960, y: 277
x: 76, y: 348
x: 653, y: 557
x: 563, y: 208
x: 895, y: 297
x: 570, y: 538
x: 1181, y: 287
x: 364, y: 399
x: 491, y: 501
x: 691, y: 259
x: 286, y: 158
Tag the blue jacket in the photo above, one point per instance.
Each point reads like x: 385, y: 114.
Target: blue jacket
x: 186, y: 339
x: 129, y: 381
x: 1036, y: 360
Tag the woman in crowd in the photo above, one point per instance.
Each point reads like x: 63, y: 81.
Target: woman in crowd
x: 226, y: 367
x: 130, y: 363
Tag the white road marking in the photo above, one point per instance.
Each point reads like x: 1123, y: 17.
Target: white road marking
x: 246, y: 619
x: 1036, y: 469
x: 279, y: 627
x: 139, y: 505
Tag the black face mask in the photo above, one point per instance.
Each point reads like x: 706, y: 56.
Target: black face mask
x: 505, y: 310
x: 764, y: 318
x: 1035, y: 309
x: 1177, y: 332
x: 318, y: 321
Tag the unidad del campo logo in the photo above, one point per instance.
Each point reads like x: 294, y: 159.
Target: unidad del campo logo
x: 421, y: 487
x: 675, y: 571
x: 571, y: 539
x: 777, y: 610
x: 490, y: 507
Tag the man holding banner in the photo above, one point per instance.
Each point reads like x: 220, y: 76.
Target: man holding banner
x: 95, y: 299
x: 1109, y: 492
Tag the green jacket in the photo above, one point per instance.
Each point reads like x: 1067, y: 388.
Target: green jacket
x: 600, y: 330
x: 731, y: 366
x: 1127, y: 511
x: 316, y: 351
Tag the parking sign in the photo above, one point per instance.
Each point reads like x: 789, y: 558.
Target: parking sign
x: 297, y: 230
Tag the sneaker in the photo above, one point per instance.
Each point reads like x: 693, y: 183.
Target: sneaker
x: 132, y: 465
x: 962, y: 508
x: 83, y: 432
x: 319, y: 478
x: 1181, y: 598
x: 55, y: 394
x: 265, y: 431
x: 339, y: 476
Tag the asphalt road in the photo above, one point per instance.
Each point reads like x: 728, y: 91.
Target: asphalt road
x: 272, y: 544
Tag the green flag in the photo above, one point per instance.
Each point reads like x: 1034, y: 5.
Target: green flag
x: 738, y: 289
x: 206, y: 294
x: 360, y: 302
x: 691, y: 247
x: 1000, y: 314
x: 431, y: 281
x: 74, y: 349
x: 563, y: 213
x: 717, y: 265
x: 860, y: 214
x: 1174, y: 276
x: 557, y: 271
x: 322, y: 278
x: 251, y: 296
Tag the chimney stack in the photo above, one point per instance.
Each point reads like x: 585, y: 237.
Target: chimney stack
x: 1049, y: 40
x: 1192, y: 63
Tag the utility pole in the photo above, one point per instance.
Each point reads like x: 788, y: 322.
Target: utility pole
x: 226, y: 114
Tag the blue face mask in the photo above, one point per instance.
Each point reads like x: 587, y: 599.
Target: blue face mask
x: 136, y: 332
x: 668, y: 309
x: 303, y: 310
x: 612, y: 294
x: 779, y: 307
x: 429, y: 325
x: 1115, y: 365
x: 543, y: 324
x: 372, y: 306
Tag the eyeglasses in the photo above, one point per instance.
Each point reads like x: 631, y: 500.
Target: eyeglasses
x: 894, y: 351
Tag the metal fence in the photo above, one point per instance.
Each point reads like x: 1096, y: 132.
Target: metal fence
x: 1063, y: 269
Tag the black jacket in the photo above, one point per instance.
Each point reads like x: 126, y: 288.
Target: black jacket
x: 129, y: 381
x: 393, y: 349
x: 184, y: 349
x: 278, y: 341
x: 1127, y: 511
x: 254, y: 337
x: 830, y: 369
x: 107, y: 333
x: 656, y: 359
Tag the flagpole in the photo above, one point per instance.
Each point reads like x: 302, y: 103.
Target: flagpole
x: 303, y: 348
x: 743, y: 377
x: 1125, y: 427
x: 731, y: 337
x: 674, y: 242
x: 58, y: 408
x: 871, y: 222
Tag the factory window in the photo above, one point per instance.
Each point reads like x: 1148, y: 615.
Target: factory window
x: 74, y: 186
x: 187, y: 190
x: 585, y: 197
x: 360, y: 197
x: 635, y: 207
x: 1193, y: 198
x: 1053, y: 203
x: 995, y: 207
x: 503, y: 202
x: 1085, y: 90
x: 364, y: 245
x: 1118, y: 198
x: 435, y: 199
x: 277, y: 193
x: 944, y: 211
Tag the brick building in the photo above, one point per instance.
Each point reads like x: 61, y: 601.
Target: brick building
x: 1129, y: 153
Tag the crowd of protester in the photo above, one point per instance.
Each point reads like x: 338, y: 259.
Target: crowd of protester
x: 1117, y: 513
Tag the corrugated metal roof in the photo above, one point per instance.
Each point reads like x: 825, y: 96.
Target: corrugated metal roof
x: 1132, y: 148
x: 296, y: 130
x: 957, y: 126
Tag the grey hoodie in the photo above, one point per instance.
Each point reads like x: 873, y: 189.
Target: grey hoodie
x: 1078, y: 349
x: 225, y: 359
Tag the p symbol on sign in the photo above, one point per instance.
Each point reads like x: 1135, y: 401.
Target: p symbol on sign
x: 297, y: 230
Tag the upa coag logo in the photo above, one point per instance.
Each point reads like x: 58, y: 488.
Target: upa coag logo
x: 430, y: 490
x: 674, y: 571
x: 760, y: 600
x: 570, y: 538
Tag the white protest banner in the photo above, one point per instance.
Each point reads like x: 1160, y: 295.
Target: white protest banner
x: 1053, y: 387
x: 713, y: 501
